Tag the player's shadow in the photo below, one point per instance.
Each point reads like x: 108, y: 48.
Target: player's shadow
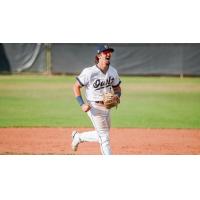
x: 4, y: 63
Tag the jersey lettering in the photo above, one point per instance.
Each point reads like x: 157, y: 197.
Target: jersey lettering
x: 98, y: 84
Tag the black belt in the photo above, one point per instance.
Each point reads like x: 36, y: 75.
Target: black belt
x: 101, y: 102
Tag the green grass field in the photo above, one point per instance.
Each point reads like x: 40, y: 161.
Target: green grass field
x: 148, y: 102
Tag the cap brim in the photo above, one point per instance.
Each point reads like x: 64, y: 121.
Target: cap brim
x: 111, y: 49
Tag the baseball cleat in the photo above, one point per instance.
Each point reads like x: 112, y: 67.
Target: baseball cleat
x: 75, y: 141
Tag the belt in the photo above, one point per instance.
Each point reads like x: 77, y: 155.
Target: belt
x: 101, y: 102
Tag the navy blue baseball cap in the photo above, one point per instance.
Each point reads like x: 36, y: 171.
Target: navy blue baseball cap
x: 103, y: 47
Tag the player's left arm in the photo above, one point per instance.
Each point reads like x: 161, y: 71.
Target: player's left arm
x: 117, y: 92
x: 116, y: 87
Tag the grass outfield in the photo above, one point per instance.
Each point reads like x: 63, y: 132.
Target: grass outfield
x: 148, y: 102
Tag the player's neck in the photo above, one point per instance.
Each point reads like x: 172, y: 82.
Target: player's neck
x: 103, y: 67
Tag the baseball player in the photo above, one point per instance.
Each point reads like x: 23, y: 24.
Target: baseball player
x: 98, y: 80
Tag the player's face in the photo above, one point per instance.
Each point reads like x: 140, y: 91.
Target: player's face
x: 105, y: 56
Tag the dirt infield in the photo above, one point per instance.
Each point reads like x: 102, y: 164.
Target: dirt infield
x: 123, y: 141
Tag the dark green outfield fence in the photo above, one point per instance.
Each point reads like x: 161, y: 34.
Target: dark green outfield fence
x: 129, y: 59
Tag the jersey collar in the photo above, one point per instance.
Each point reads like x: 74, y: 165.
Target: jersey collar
x: 102, y: 70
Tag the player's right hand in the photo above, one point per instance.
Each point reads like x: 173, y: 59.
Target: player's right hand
x: 85, y: 107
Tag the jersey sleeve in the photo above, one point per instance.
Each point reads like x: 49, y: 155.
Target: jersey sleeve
x: 83, y: 78
x: 117, y: 80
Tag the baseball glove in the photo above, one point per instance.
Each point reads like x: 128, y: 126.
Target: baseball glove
x: 110, y: 100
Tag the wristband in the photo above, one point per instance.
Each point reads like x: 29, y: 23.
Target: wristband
x: 118, y: 94
x: 80, y: 100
